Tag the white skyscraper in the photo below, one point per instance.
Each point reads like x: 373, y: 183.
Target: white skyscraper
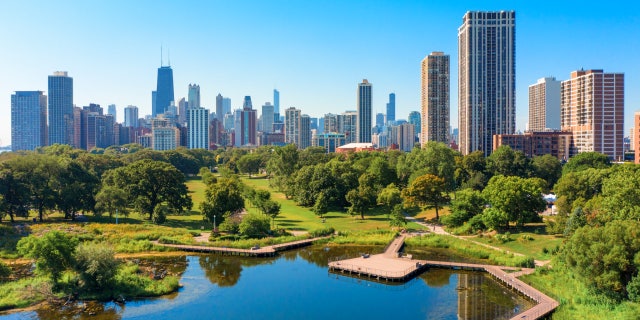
x: 198, y: 128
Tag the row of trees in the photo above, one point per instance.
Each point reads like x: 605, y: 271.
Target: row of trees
x: 73, y: 181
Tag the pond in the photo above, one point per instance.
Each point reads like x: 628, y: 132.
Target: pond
x: 297, y: 285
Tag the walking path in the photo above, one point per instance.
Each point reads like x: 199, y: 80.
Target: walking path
x: 391, y: 266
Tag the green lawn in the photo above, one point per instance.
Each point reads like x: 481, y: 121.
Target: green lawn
x: 293, y: 217
x: 519, y: 244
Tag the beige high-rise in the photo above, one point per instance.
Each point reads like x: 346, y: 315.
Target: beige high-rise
x: 544, y: 105
x: 486, y: 78
x: 592, y: 108
x: 435, y: 98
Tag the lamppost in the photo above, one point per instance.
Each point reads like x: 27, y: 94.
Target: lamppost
x: 214, y: 223
x: 116, y: 216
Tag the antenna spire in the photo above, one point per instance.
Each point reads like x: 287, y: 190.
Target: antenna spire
x: 161, y: 55
x: 169, y: 56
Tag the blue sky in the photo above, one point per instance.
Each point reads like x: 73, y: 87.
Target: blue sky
x: 314, y: 52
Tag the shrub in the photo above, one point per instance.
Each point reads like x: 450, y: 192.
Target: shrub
x: 96, y: 265
x: 5, y: 271
x: 254, y: 226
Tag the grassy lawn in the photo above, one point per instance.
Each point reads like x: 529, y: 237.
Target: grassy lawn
x: 293, y: 217
x: 519, y: 243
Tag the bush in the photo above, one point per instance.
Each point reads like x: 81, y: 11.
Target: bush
x: 229, y: 226
x: 254, y: 225
x: 96, y: 265
x: 5, y: 271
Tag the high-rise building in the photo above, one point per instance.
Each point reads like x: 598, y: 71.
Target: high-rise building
x: 194, y: 96
x: 305, y: 132
x: 379, y: 120
x: 28, y: 120
x: 245, y: 124
x: 60, y: 108
x: 111, y: 109
x: 276, y: 105
x: 219, y: 110
x: 636, y: 137
x: 164, y: 135
x: 592, y: 108
x: 131, y: 116
x: 486, y: 78
x: 198, y: 128
x: 544, y: 105
x: 391, y: 108
x: 403, y: 136
x: 416, y: 120
x: 154, y: 100
x: 292, y: 126
x: 363, y: 128
x: 313, y: 123
x: 330, y: 123
x: 226, y: 105
x: 164, y: 90
x: 267, y: 117
x: 183, y: 106
x: 330, y: 141
x: 347, y: 124
x: 435, y: 99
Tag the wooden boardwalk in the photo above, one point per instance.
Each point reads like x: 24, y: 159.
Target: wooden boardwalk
x: 268, y: 251
x: 391, y: 266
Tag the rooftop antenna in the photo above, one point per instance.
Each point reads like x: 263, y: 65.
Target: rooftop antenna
x: 169, y: 56
x: 161, y: 55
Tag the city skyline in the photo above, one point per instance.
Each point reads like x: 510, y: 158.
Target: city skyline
x: 121, y: 68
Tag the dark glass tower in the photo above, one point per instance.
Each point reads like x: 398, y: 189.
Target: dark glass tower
x: 391, y: 108
x: 363, y: 128
x: 60, y: 108
x: 28, y: 120
x: 164, y: 90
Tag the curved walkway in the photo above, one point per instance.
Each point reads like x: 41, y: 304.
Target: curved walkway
x: 436, y: 229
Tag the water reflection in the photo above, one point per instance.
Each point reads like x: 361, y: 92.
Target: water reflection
x: 225, y: 270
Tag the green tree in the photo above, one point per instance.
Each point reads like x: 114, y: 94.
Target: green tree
x: 427, y: 191
x: 584, y: 184
x: 494, y: 218
x: 250, y: 163
x: 390, y: 196
x: 607, y: 258
x: 281, y: 165
x: 586, y: 160
x: 111, y: 199
x: 75, y: 189
x: 547, y: 168
x: 271, y: 208
x: 183, y: 161
x: 621, y: 194
x: 466, y: 204
x: 53, y: 252
x: 321, y: 205
x: 254, y: 226
x: 223, y: 197
x: 40, y: 173
x: 508, y: 162
x: 519, y: 199
x: 149, y: 183
x: 14, y: 194
x: 96, y: 264
x: 397, y: 218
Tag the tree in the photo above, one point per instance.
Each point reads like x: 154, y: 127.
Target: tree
x: 397, y: 218
x: 53, y: 252
x: 427, y: 191
x: 271, y: 208
x: 507, y: 162
x: 5, y: 270
x: 621, y: 194
x: 282, y: 164
x: 584, y: 184
x: 75, y: 188
x: 494, y: 218
x: 222, y: 197
x: 111, y: 199
x: 606, y: 257
x: 362, y: 198
x: 519, y: 199
x: 322, y: 204
x: 250, y: 163
x: 40, y: 174
x: 96, y: 264
x: 390, y: 196
x: 149, y: 183
x: 466, y: 204
x: 586, y: 160
x: 547, y: 168
x: 14, y: 194
x: 254, y: 226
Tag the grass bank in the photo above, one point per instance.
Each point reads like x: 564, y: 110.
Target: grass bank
x: 576, y: 300
x: 469, y: 249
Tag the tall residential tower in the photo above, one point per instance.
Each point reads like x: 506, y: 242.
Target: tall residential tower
x: 28, y: 120
x: 435, y: 98
x: 486, y: 78
x: 363, y: 128
x: 61, y: 128
x: 544, y: 105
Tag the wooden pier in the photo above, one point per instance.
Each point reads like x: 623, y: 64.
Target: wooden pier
x: 261, y: 252
x: 392, y: 266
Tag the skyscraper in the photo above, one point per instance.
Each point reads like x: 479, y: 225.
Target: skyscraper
x: 131, y: 116
x: 435, y: 99
x: 194, y: 96
x: 245, y: 124
x: 379, y: 120
x: 305, y: 132
x: 226, y: 105
x: 219, y: 110
x: 267, y: 117
x: 28, y: 120
x: 164, y: 90
x: 486, y: 78
x: 198, y: 128
x: 391, y: 108
x: 347, y: 124
x: 111, y: 109
x: 544, y: 104
x: 276, y: 105
x: 592, y: 108
x: 60, y: 108
x: 363, y: 128
x: 416, y: 120
x: 292, y: 126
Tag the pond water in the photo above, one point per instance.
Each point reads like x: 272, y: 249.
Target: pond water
x: 297, y: 285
